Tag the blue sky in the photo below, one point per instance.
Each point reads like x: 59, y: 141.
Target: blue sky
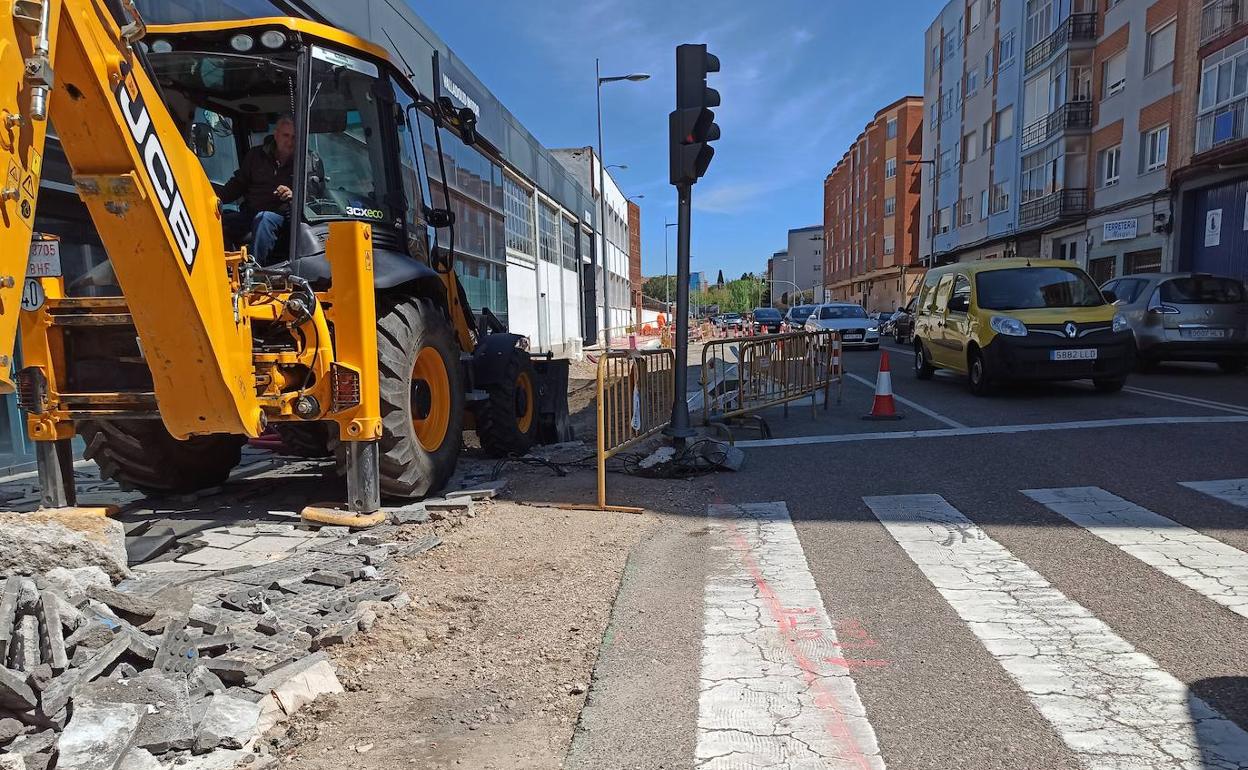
x: 799, y: 80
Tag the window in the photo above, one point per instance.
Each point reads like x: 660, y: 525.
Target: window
x: 1102, y: 270
x: 970, y: 147
x: 946, y: 219
x: 890, y: 206
x: 1141, y: 262
x: 890, y: 168
x: 891, y: 128
x: 935, y: 58
x: 1005, y: 50
x: 966, y: 212
x: 1040, y: 173
x: 1000, y: 197
x: 890, y: 244
x: 983, y: 204
x: 1160, y: 47
x: 946, y: 161
x: 1115, y: 70
x: 1154, y: 149
x: 1110, y: 164
x: 988, y: 66
x: 548, y: 244
x: 518, y: 208
x: 1128, y: 289
x: 985, y: 137
x: 1005, y: 123
x: 961, y: 289
x: 1203, y: 290
x: 568, y: 245
x: 975, y: 13
x: 972, y: 81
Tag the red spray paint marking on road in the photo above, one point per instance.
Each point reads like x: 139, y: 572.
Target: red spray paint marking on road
x: 786, y: 623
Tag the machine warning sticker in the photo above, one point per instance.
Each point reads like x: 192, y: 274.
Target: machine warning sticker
x: 28, y: 186
x: 32, y: 295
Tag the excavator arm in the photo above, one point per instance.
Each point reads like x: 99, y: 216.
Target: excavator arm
x: 74, y: 63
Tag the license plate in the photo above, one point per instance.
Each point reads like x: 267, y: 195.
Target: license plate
x: 853, y: 338
x: 1083, y: 354
x: 1204, y: 334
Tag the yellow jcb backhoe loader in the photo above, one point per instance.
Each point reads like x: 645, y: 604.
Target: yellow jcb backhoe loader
x: 353, y: 338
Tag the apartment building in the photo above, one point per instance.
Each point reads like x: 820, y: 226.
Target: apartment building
x: 871, y: 212
x: 1075, y: 153
x: 1211, y: 178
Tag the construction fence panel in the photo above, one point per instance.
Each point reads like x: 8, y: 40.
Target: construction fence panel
x: 635, y: 392
x: 747, y: 375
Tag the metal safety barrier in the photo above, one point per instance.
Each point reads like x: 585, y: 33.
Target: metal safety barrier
x: 746, y: 375
x: 634, y: 401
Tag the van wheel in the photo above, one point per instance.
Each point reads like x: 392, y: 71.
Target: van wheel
x: 923, y: 369
x: 980, y: 379
x: 1233, y: 365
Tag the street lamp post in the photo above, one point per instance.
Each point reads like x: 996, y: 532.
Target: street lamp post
x: 602, y: 200
x: 667, y: 285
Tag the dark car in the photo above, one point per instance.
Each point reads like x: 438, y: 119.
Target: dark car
x: 797, y: 315
x: 903, y: 323
x: 767, y: 320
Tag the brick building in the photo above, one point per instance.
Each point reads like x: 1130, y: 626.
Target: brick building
x: 871, y: 212
x: 634, y: 258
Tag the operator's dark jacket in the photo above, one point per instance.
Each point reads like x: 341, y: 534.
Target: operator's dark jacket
x: 257, y: 179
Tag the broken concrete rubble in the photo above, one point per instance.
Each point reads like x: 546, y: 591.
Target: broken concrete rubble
x: 218, y: 640
x: 36, y: 543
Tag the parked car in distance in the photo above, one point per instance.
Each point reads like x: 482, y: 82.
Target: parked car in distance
x: 728, y: 321
x: 767, y: 320
x: 902, y: 325
x: 1185, y: 317
x: 1020, y: 319
x: 856, y: 328
x: 797, y: 315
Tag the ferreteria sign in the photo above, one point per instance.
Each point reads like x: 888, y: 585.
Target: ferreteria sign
x: 1120, y: 230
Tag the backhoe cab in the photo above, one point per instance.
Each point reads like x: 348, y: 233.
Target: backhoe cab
x: 353, y: 336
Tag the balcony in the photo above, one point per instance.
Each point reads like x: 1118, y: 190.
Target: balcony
x: 1055, y: 207
x: 1220, y: 17
x: 1068, y: 117
x: 1222, y: 126
x: 1078, y: 27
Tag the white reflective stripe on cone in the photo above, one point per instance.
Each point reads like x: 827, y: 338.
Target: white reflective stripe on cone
x: 884, y: 385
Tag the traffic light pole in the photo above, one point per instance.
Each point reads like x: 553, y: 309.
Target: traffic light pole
x: 679, y: 429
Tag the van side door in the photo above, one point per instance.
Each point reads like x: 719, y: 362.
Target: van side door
x: 957, y: 331
x: 935, y: 333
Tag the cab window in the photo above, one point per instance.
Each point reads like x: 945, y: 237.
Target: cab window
x: 927, y: 302
x: 961, y: 291
x: 942, y: 293
x: 409, y: 170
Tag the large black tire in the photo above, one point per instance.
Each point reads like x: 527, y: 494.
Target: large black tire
x: 507, y: 422
x: 306, y: 439
x: 140, y: 454
x: 978, y: 375
x: 422, y: 426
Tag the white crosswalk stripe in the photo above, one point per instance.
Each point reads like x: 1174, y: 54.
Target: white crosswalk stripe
x: 1112, y: 705
x: 771, y: 692
x: 1203, y: 564
x: 1233, y: 491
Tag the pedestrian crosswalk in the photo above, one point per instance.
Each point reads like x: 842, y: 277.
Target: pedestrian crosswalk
x: 1112, y: 705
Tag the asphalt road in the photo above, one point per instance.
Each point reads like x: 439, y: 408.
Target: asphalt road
x: 1022, y: 581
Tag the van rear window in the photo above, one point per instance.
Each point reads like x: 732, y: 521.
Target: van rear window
x: 1202, y: 290
x: 1024, y: 288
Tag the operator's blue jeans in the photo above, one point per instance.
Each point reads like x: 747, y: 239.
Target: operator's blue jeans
x: 266, y: 228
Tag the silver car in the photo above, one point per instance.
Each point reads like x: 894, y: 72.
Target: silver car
x: 1185, y: 317
x: 857, y: 330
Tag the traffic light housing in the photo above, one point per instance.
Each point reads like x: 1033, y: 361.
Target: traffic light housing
x: 692, y: 124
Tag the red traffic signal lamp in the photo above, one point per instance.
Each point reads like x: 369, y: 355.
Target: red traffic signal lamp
x: 692, y: 125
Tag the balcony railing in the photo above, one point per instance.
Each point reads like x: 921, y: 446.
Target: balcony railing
x: 1077, y: 27
x: 1221, y: 16
x: 1073, y: 115
x: 1222, y: 126
x: 1062, y: 204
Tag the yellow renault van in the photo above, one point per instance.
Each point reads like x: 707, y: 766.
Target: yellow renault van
x: 1020, y: 319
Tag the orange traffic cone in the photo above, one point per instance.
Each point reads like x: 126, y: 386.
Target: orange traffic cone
x: 884, y: 407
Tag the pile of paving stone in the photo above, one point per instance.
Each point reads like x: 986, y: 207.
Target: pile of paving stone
x: 184, y: 667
